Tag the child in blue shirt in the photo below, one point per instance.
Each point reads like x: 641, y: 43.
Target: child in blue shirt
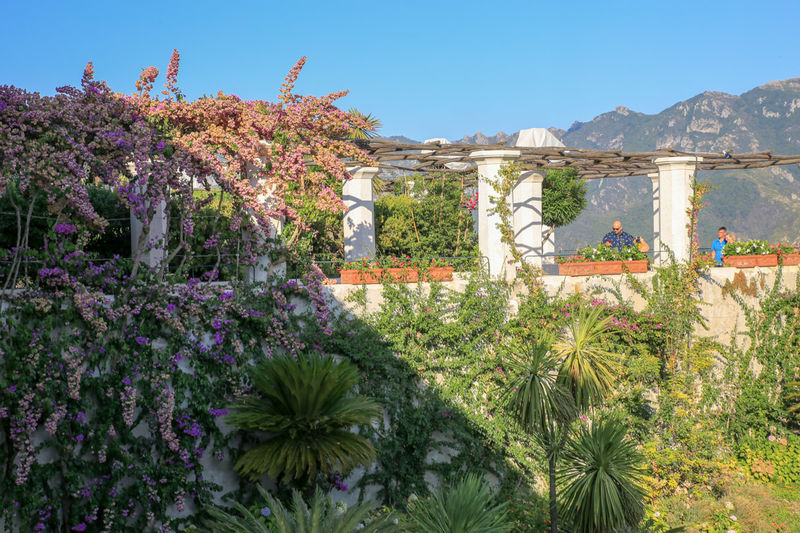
x: 719, y: 244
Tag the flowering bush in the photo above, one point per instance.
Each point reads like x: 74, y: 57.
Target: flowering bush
x: 112, y: 376
x: 397, y: 262
x: 602, y: 252
x: 754, y: 247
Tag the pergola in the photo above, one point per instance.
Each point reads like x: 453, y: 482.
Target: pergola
x: 670, y: 170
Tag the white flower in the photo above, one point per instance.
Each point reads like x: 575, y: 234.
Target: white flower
x: 656, y: 514
x: 733, y: 517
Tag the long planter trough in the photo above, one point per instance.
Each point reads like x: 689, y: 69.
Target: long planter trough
x: 750, y: 261
x: 591, y: 268
x: 371, y: 276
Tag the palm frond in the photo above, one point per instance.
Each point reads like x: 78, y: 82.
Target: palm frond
x: 588, y: 369
x: 602, y: 481
x: 467, y: 507
x: 321, y: 516
x: 533, y: 395
x: 371, y: 125
x: 307, y: 406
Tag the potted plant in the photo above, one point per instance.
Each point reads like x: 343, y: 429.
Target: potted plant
x: 394, y: 269
x: 748, y: 254
x: 789, y: 254
x: 603, y: 259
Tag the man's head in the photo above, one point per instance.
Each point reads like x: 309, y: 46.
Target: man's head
x: 616, y: 227
x: 722, y: 232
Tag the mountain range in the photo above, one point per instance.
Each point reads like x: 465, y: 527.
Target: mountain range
x: 754, y: 203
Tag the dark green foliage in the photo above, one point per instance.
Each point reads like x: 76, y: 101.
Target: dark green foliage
x: 466, y: 507
x: 305, y: 404
x: 425, y: 220
x: 563, y: 197
x: 533, y: 395
x: 114, y: 239
x: 321, y: 516
x: 601, y: 478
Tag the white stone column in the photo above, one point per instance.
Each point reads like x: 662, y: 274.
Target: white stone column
x: 527, y: 196
x: 675, y: 190
x: 359, y: 220
x: 156, y: 245
x: 656, y: 247
x: 263, y: 267
x: 548, y: 245
x: 489, y: 236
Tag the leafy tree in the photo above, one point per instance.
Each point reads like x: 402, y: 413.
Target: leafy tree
x: 306, y: 405
x: 467, y: 507
x: 563, y: 197
x: 428, y: 220
x: 601, y: 479
x: 321, y: 515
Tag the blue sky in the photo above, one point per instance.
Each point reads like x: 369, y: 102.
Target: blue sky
x: 427, y: 69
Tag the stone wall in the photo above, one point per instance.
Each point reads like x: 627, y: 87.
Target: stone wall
x: 722, y: 313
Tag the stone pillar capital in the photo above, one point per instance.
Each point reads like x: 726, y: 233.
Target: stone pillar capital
x: 689, y: 162
x: 363, y: 173
x: 531, y: 176
x: 494, y: 157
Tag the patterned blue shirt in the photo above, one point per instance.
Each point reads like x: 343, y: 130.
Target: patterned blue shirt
x: 618, y: 241
x: 717, y: 246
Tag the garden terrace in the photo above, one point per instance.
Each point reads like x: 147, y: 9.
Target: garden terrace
x: 671, y: 172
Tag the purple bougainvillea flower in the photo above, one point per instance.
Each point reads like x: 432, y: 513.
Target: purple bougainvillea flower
x: 65, y: 228
x: 79, y: 527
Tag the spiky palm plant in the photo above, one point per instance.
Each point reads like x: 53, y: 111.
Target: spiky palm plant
x: 533, y: 395
x: 588, y: 368
x: 373, y: 124
x: 306, y: 404
x: 467, y: 507
x: 320, y: 516
x: 538, y: 402
x: 602, y: 484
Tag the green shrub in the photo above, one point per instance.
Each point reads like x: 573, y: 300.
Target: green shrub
x: 466, y: 507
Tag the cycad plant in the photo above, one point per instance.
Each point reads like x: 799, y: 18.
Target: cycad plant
x: 601, y: 479
x: 320, y: 516
x: 306, y: 406
x: 466, y: 507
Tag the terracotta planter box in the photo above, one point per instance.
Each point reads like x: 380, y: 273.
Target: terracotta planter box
x: 602, y: 267
x: 438, y: 274
x: 791, y: 259
x: 749, y: 261
x: 400, y: 275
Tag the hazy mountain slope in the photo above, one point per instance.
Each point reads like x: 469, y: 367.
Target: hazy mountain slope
x: 761, y: 203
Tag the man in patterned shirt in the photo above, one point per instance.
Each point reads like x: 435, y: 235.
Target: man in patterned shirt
x: 618, y: 238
